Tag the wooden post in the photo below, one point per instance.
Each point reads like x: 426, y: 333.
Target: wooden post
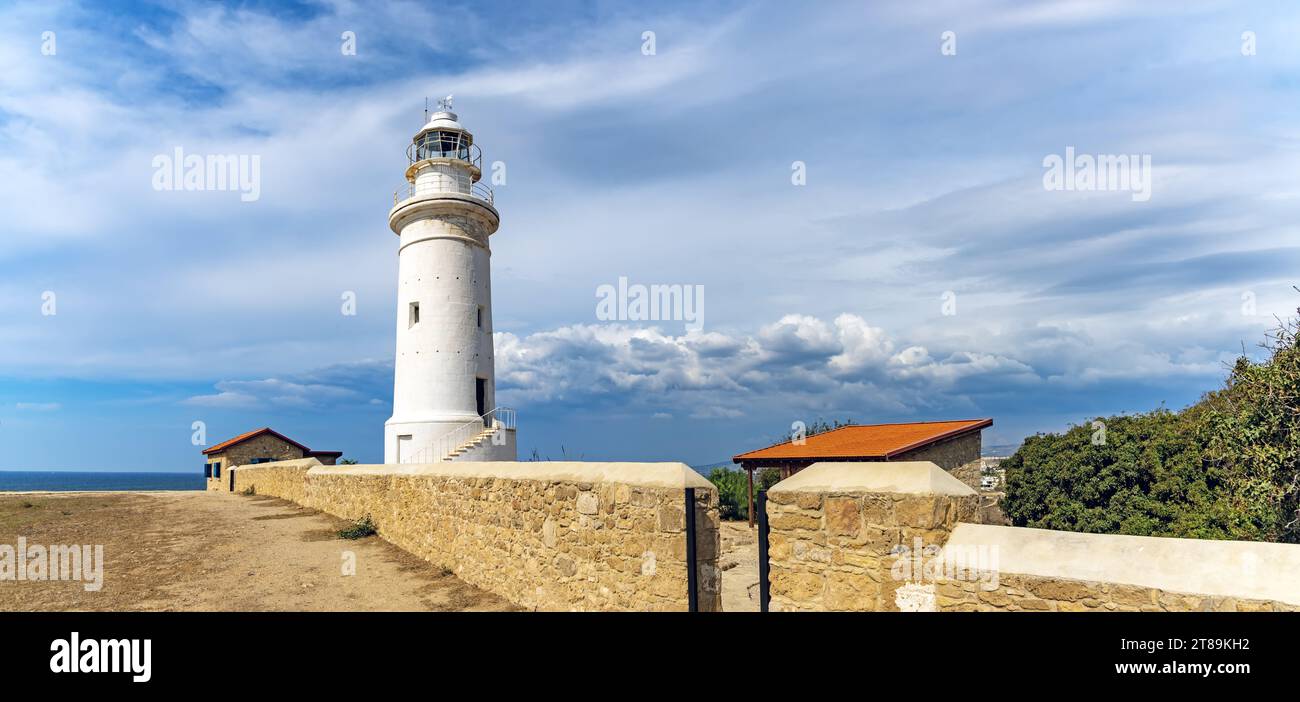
x: 750, y: 472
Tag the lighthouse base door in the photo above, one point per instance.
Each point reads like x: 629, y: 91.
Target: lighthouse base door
x: 403, y: 447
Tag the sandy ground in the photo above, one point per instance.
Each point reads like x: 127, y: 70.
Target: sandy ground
x: 220, y: 552
x: 739, y: 563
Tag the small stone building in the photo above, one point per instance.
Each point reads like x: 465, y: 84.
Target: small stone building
x: 952, y: 445
x: 259, y: 446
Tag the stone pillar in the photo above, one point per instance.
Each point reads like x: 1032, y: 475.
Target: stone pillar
x: 848, y: 536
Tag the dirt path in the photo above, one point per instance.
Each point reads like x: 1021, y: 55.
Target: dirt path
x: 739, y: 564
x: 219, y: 551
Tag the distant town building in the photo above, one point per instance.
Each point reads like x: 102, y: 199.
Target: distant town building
x: 259, y: 446
x: 952, y: 445
x: 992, y: 474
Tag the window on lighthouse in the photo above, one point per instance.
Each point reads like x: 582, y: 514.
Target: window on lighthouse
x: 415, y: 315
x: 443, y: 145
x: 448, y: 143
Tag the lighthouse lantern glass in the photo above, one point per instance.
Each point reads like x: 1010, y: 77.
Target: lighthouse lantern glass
x: 441, y: 144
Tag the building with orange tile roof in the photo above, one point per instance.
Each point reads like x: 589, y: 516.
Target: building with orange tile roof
x: 952, y: 445
x: 257, y: 446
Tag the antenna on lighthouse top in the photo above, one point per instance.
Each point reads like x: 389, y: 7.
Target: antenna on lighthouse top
x: 445, y: 104
x: 426, y: 109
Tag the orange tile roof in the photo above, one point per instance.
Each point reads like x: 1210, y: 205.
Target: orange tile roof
x: 866, y: 441
x: 252, y: 434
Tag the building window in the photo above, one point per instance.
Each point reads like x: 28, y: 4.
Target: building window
x: 207, y: 470
x: 415, y: 315
x: 480, y: 316
x: 255, y: 461
x: 216, y: 469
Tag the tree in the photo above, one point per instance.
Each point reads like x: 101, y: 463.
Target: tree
x: 1143, y: 478
x: 733, y: 493
x: 1251, y: 432
x: 819, y: 426
x: 1227, y: 467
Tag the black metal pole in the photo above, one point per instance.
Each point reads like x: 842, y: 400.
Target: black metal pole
x: 692, y: 586
x: 764, y: 584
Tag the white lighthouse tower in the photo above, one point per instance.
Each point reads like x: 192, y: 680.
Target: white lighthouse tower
x: 444, y: 391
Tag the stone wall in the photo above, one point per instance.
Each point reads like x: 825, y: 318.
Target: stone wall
x: 1042, y: 570
x: 899, y: 537
x: 1017, y: 593
x: 543, y: 535
x: 284, y: 479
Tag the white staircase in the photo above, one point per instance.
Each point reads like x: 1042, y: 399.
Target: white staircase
x: 467, y: 438
x: 477, y: 441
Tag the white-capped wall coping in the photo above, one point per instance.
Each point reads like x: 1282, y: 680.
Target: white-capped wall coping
x: 659, y: 475
x: 1240, y: 569
x: 295, y: 463
x: 907, y: 477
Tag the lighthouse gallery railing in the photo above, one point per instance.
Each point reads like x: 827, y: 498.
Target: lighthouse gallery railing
x: 407, y: 191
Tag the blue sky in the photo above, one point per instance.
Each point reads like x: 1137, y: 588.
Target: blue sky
x: 924, y: 177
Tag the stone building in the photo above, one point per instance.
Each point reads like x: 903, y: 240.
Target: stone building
x: 952, y: 445
x: 259, y: 446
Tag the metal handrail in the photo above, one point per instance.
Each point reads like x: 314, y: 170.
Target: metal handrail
x: 500, y: 418
x: 407, y: 191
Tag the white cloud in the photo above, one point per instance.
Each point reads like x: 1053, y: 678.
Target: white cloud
x: 798, y: 356
x: 275, y: 393
x: 38, y: 406
x: 863, y: 345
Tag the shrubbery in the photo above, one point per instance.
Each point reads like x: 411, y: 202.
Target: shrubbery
x: 360, y: 529
x: 733, y: 489
x: 1227, y: 467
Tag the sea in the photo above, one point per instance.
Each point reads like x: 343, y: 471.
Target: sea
x: 66, y: 480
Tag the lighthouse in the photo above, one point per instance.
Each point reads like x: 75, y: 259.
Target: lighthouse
x: 444, y: 389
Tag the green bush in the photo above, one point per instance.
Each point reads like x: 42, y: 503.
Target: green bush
x: 360, y: 529
x: 733, y: 493
x: 1227, y: 467
x: 765, y: 478
x: 733, y: 489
